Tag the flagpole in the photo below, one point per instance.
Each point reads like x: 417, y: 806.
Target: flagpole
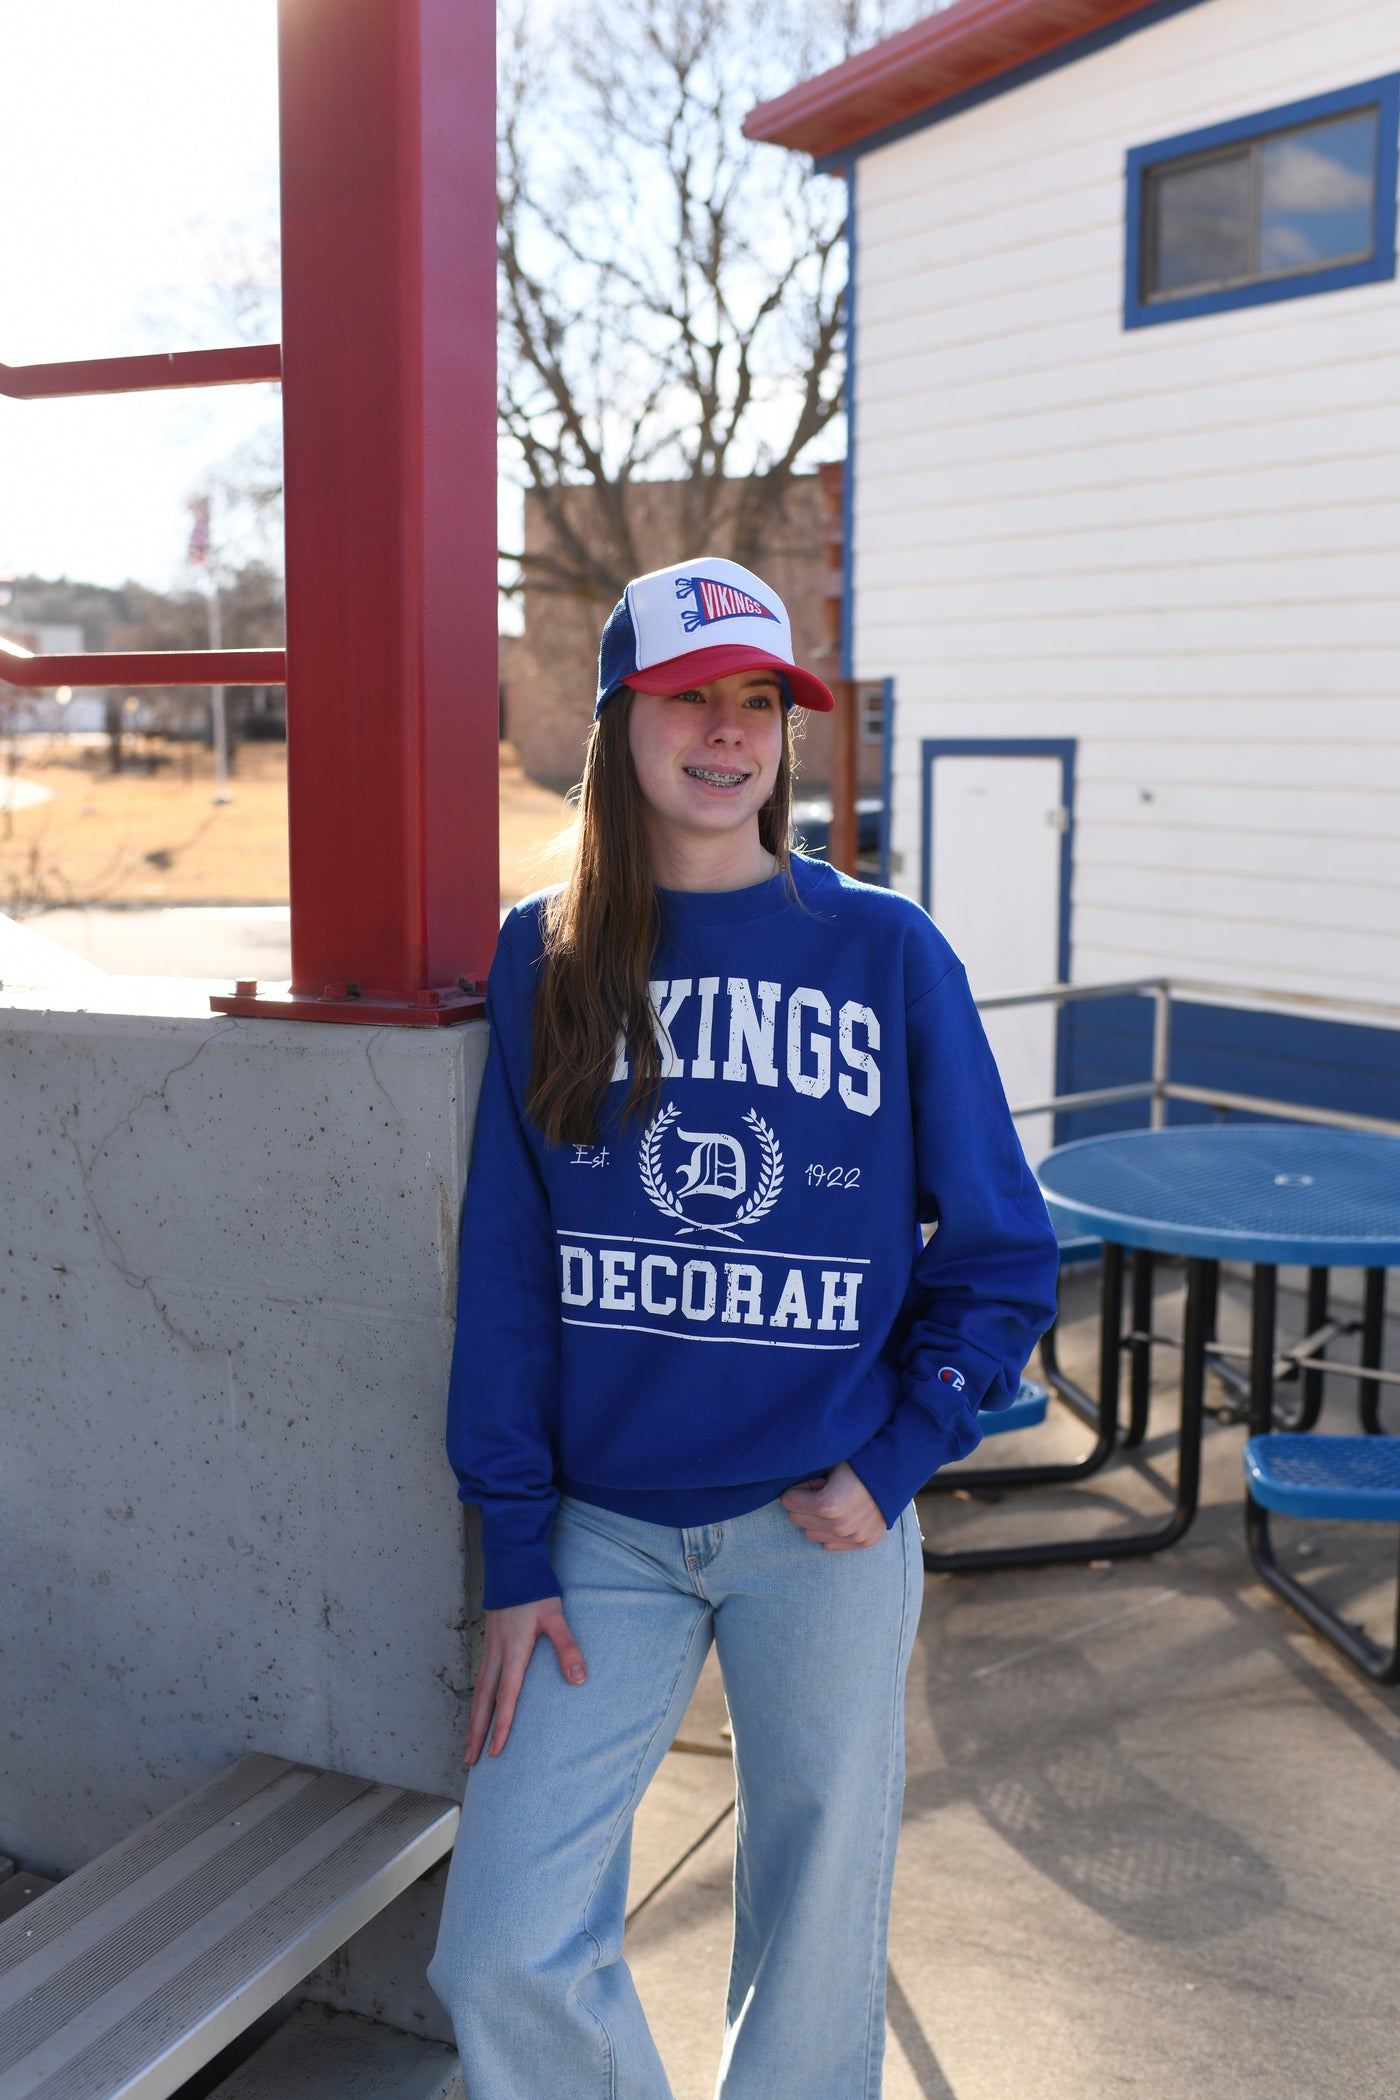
x: 222, y: 791
x: 200, y: 556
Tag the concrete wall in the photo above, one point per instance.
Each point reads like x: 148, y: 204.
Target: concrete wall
x: 227, y: 1274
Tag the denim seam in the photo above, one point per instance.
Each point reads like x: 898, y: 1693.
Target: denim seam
x: 872, y: 2062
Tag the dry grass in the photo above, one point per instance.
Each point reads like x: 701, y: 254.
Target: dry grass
x: 158, y: 837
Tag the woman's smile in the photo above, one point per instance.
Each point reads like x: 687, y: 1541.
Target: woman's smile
x: 713, y: 776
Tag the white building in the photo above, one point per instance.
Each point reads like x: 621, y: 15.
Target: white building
x: 1125, y: 505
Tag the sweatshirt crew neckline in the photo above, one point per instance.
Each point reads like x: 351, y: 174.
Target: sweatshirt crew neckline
x: 756, y: 900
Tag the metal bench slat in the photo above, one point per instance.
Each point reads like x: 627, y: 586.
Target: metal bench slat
x: 111, y: 1914
x: 136, y: 1855
x: 213, y: 1932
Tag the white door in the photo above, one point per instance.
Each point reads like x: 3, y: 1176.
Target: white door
x: 995, y: 894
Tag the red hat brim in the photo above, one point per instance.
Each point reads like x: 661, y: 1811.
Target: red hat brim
x: 699, y: 666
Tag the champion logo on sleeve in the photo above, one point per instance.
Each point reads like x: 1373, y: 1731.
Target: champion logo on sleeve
x: 949, y: 1376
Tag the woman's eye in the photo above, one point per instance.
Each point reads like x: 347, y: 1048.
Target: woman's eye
x: 691, y: 695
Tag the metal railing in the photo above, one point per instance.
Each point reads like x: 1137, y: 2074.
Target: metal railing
x: 242, y: 365
x: 1161, y: 1088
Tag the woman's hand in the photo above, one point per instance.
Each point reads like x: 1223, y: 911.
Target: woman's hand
x: 839, y: 1514
x: 510, y: 1642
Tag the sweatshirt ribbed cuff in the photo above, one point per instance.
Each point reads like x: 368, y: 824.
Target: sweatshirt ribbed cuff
x: 906, y: 1453
x: 518, y: 1568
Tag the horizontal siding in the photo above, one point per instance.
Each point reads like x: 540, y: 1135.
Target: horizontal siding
x: 1302, y: 581
x: 1243, y: 952
x: 937, y: 314
x: 1049, y: 461
x: 1178, y: 546
x: 1263, y: 404
x: 1100, y: 546
x: 1164, y: 847
x: 1268, y: 762
x: 1328, y: 907
x: 1164, y: 673
x: 1108, y: 726
x: 1327, y: 633
x: 1093, y: 369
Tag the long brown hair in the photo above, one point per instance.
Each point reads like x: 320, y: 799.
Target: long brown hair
x: 600, y: 936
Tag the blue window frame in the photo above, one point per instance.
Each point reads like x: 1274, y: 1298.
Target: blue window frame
x: 1279, y: 205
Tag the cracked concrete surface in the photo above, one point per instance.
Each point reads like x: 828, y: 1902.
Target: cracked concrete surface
x: 226, y: 1518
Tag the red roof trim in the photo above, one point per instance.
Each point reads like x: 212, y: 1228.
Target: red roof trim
x: 945, y: 55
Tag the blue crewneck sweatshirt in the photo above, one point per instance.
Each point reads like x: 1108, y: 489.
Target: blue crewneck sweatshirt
x: 685, y: 1318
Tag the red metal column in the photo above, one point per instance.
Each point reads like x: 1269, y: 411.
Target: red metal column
x: 389, y: 411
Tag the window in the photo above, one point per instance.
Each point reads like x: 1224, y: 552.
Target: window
x: 1294, y: 201
x: 871, y: 704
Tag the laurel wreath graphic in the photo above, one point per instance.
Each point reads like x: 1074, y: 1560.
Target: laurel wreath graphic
x: 767, y: 1189
x: 653, y: 1180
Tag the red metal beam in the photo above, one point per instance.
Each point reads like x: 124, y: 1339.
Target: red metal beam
x: 240, y: 366
x: 389, y: 418
x: 389, y: 414
x: 152, y: 667
x: 943, y: 55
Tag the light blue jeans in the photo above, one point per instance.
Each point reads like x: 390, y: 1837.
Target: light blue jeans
x: 814, y: 1648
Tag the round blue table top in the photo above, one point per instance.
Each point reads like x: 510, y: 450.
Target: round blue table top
x: 1235, y: 1192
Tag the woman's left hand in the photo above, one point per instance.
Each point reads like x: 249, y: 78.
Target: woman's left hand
x: 840, y: 1515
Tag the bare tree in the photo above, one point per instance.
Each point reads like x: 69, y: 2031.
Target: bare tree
x: 671, y: 294
x: 241, y: 298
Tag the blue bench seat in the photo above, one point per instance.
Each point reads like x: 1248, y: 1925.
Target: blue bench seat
x: 1354, y: 1478
x: 1025, y: 1411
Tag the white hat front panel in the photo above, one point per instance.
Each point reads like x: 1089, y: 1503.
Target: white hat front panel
x: 704, y: 605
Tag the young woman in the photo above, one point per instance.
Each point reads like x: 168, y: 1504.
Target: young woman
x: 704, y: 1360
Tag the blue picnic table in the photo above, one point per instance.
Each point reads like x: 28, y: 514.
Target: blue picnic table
x: 1267, y: 1195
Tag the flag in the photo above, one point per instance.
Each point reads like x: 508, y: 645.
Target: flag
x: 199, y: 531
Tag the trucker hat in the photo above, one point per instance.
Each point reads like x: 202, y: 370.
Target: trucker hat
x: 700, y: 620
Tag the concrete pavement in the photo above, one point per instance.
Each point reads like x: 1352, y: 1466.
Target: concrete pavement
x: 1149, y: 1825
x: 178, y: 940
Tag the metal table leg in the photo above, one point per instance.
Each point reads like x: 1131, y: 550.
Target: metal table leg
x: 1076, y: 1398
x: 1103, y: 1411
x: 1263, y: 1322
x: 1235, y: 1382
x: 1372, y: 1338
x: 1200, y: 1282
x: 1140, y: 1349
x: 1310, y: 1385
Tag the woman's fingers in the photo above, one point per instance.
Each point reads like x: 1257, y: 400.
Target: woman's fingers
x: 570, y: 1654
x: 483, y: 1699
x: 507, y: 1692
x: 842, y: 1515
x: 510, y: 1642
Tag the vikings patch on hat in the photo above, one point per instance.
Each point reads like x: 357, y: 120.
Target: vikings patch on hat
x: 701, y: 620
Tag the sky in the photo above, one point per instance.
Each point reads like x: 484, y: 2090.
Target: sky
x: 138, y: 156
x: 139, y: 159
